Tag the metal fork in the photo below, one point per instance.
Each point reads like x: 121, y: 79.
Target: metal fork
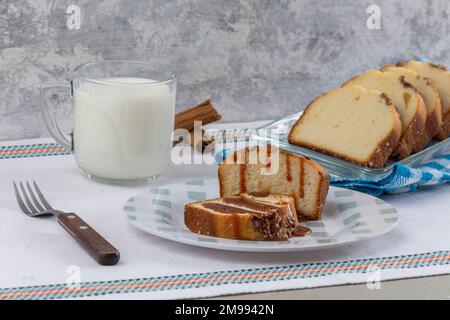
x: 97, y: 246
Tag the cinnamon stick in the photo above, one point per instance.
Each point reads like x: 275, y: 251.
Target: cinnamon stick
x: 204, y: 112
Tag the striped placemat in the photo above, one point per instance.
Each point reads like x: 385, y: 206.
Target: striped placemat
x: 210, y: 279
x: 31, y: 150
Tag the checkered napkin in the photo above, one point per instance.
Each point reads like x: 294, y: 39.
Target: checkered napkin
x: 402, y: 178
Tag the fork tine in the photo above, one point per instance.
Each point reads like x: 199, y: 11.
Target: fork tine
x: 24, y: 193
x: 19, y: 200
x: 41, y: 196
x: 33, y: 197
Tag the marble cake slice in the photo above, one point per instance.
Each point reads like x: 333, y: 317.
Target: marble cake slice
x: 243, y: 217
x: 272, y: 170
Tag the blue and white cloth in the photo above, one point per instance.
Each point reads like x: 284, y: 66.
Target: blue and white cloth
x: 402, y: 179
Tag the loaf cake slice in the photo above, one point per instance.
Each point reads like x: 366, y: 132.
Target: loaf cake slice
x: 441, y: 79
x: 430, y: 96
x: 269, y: 169
x: 351, y: 123
x: 244, y: 217
x: 408, y: 103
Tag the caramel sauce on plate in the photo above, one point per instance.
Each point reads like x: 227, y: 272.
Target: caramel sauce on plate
x: 301, y: 231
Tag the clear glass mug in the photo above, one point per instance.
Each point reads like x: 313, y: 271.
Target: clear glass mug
x: 124, y: 118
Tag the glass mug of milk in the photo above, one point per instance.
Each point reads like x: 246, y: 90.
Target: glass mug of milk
x: 124, y: 118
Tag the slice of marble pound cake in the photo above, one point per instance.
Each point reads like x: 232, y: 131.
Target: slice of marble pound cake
x: 244, y: 217
x: 441, y: 79
x: 408, y: 103
x: 352, y: 123
x: 276, y: 171
x: 430, y: 96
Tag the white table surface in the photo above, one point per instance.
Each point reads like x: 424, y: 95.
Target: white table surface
x: 433, y: 201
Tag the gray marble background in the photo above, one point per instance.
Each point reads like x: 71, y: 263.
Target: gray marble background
x: 256, y: 59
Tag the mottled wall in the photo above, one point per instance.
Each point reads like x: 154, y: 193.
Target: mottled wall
x: 256, y: 59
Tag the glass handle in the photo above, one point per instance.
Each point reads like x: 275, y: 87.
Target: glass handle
x: 47, y: 91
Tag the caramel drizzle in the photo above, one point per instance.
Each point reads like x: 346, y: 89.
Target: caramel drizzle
x: 248, y: 203
x: 243, y: 174
x: 259, y: 193
x: 240, y: 204
x: 212, y: 225
x: 288, y: 168
x: 228, y: 208
x: 243, y: 180
x: 236, y: 227
x: 301, y: 192
x: 268, y: 155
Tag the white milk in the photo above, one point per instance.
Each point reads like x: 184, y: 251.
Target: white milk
x: 123, y: 131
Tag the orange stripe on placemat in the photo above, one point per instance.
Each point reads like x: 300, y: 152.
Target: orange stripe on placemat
x: 32, y: 151
x: 175, y: 282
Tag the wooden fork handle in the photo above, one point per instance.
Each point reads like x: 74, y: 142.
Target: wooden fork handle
x: 97, y: 246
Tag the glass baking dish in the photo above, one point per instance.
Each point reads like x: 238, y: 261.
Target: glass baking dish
x: 340, y: 168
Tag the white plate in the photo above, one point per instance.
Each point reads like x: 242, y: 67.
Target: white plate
x: 348, y: 216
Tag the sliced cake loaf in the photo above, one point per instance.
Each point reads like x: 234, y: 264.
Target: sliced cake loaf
x: 441, y: 78
x: 351, y: 123
x: 408, y: 103
x: 244, y: 217
x: 430, y: 96
x: 276, y: 171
